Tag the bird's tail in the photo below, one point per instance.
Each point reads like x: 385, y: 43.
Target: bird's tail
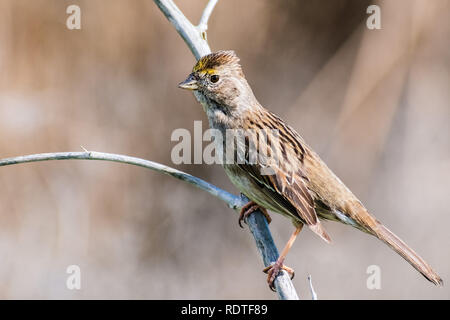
x: 385, y: 235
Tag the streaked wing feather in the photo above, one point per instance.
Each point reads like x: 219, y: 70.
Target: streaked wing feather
x: 288, y: 179
x: 296, y: 193
x: 295, y: 196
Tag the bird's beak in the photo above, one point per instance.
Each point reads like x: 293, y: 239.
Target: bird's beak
x: 190, y: 83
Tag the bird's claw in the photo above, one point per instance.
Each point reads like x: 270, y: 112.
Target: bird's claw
x: 273, y: 271
x: 250, y: 208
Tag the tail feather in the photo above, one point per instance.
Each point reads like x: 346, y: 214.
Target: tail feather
x: 407, y: 253
x: 318, y: 229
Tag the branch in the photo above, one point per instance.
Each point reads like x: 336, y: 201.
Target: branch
x: 257, y: 223
x: 190, y: 34
x: 203, y: 24
x: 311, y: 288
x: 231, y: 200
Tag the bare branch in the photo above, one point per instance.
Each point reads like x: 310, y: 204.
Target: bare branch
x: 257, y: 222
x: 232, y: 201
x: 311, y: 288
x: 190, y: 34
x: 203, y: 24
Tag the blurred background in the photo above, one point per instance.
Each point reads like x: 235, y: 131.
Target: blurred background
x: 373, y: 103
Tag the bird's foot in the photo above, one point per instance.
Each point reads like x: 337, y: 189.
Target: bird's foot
x: 250, y: 208
x: 274, y: 269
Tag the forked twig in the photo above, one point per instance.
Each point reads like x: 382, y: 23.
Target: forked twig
x: 203, y: 24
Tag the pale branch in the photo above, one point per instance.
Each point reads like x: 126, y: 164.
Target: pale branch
x: 257, y: 222
x: 196, y: 41
x: 231, y: 200
x: 311, y: 288
x: 203, y: 24
x: 190, y: 34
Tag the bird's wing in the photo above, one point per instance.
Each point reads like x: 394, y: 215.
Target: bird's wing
x: 290, y: 188
x: 287, y: 178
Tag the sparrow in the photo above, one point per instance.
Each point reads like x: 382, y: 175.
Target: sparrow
x: 291, y: 179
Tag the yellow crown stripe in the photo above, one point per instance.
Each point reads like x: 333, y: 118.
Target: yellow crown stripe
x: 204, y: 71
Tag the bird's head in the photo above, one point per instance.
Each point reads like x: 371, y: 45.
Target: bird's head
x: 219, y: 77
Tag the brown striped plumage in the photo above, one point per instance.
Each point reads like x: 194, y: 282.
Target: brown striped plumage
x: 301, y: 186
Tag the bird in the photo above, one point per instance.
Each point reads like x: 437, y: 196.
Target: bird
x: 291, y: 179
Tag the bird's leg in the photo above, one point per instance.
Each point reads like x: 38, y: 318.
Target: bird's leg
x: 274, y: 269
x: 250, y: 208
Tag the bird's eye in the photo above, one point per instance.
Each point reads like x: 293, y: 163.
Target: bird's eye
x: 214, y: 78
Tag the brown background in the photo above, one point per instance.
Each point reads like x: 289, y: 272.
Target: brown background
x: 373, y: 104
